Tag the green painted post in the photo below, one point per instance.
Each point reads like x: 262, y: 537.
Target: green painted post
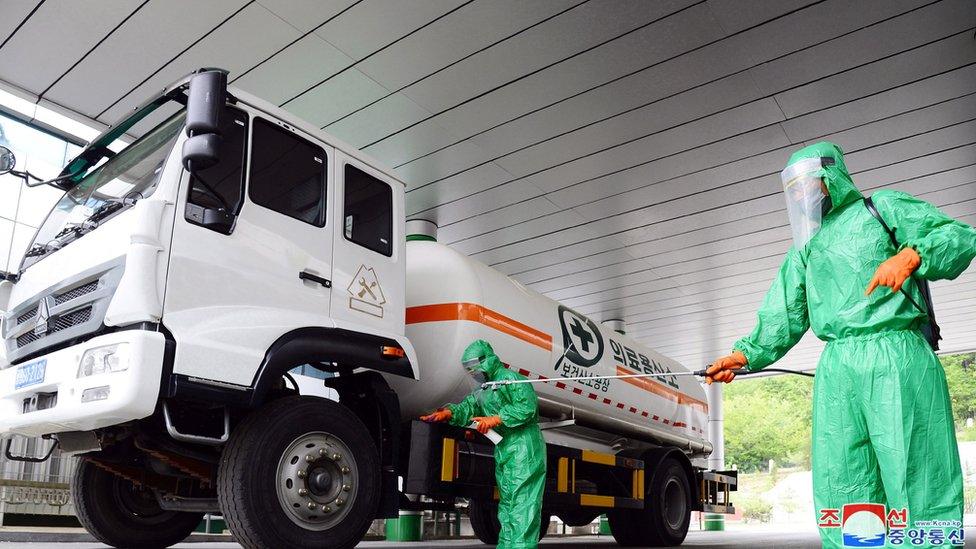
x: 714, y: 522
x: 605, y: 526
x: 408, y: 527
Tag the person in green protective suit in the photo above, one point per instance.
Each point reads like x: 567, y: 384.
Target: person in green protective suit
x: 883, y: 430
x: 520, y: 457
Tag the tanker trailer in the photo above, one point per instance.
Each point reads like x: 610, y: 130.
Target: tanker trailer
x: 632, y: 448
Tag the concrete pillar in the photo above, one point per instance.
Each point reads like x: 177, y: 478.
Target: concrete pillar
x: 616, y: 324
x: 716, y: 435
x: 421, y: 229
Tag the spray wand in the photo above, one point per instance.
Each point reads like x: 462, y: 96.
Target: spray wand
x: 698, y: 373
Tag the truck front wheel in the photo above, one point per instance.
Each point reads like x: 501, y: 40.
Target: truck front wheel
x: 118, y: 513
x: 300, y: 472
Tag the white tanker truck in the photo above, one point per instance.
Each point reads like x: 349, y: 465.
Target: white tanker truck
x: 162, y: 304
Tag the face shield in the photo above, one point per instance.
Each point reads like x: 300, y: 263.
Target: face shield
x: 473, y: 366
x: 806, y: 201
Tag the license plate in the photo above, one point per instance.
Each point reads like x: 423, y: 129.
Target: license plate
x: 30, y: 374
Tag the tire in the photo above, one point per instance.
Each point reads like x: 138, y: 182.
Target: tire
x: 484, y: 521
x: 544, y: 524
x: 291, y: 455
x: 666, y: 516
x: 120, y: 514
x: 578, y: 517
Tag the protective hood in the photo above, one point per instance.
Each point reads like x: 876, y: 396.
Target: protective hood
x: 480, y: 357
x: 806, y: 202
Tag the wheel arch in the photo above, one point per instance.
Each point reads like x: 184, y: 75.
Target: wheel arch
x: 316, y: 345
x: 366, y: 393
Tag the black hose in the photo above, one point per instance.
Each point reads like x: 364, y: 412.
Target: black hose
x: 745, y: 372
x: 784, y: 371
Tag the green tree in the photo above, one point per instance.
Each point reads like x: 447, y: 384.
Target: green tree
x: 961, y: 377
x: 768, y: 418
x: 771, y: 417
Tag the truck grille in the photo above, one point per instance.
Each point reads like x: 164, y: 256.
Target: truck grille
x: 62, y: 322
x: 27, y: 316
x: 61, y: 298
x: 77, y: 292
x: 74, y: 308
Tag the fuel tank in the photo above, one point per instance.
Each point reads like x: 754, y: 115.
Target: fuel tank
x: 453, y: 300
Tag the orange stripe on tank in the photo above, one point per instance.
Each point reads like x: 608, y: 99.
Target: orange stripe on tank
x: 662, y: 390
x: 476, y: 313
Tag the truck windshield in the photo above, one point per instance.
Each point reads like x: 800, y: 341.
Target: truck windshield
x: 125, y: 178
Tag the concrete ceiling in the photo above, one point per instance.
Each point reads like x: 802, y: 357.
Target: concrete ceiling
x: 621, y: 156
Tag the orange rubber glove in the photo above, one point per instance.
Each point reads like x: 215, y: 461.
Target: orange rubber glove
x: 895, y: 270
x: 487, y: 422
x: 720, y: 370
x: 440, y: 415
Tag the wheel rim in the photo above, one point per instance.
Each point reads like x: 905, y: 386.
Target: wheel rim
x: 675, y: 503
x: 316, y: 481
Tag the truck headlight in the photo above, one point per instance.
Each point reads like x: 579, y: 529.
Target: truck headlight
x: 103, y: 360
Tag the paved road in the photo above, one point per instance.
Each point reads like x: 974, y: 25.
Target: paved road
x: 712, y: 540
x: 715, y: 540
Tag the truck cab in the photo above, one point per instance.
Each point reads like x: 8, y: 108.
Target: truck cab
x: 177, y: 282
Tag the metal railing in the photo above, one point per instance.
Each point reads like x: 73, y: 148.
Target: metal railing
x: 35, y: 488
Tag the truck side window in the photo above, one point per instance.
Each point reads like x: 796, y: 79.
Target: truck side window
x: 287, y: 174
x: 368, y: 211
x: 221, y: 187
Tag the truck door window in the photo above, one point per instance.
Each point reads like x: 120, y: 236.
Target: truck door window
x: 368, y: 211
x: 287, y: 174
x: 221, y: 186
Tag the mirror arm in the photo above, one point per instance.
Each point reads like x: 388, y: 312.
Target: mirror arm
x: 27, y: 176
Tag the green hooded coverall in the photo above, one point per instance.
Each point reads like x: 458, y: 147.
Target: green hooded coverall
x: 520, y: 458
x: 882, y: 423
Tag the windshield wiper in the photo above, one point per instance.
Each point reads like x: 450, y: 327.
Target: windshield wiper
x: 42, y: 249
x: 78, y: 229
x: 91, y: 222
x: 107, y: 209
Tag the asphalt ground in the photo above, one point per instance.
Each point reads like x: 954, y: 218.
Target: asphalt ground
x: 734, y: 539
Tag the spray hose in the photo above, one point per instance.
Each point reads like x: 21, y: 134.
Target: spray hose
x: 698, y: 373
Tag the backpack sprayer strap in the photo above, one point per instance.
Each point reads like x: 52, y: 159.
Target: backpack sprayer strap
x: 923, y: 286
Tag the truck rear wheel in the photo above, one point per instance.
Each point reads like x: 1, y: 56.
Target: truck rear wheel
x: 301, y: 472
x: 484, y: 521
x: 667, y: 513
x: 118, y: 513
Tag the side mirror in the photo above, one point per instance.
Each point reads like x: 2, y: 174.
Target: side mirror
x: 205, y: 101
x: 7, y: 160
x: 201, y: 151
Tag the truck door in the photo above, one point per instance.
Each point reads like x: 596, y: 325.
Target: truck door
x: 234, y: 288
x: 369, y: 246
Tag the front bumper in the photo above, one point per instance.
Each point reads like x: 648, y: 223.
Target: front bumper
x: 133, y: 393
